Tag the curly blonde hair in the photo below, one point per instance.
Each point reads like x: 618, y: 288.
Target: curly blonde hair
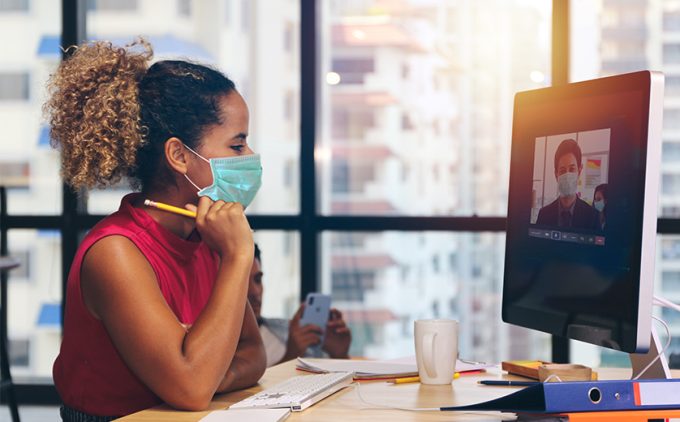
x: 94, y: 112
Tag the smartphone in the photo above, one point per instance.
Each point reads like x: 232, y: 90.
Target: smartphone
x: 317, y: 311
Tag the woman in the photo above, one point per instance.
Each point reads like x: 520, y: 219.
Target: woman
x: 600, y: 204
x: 156, y: 307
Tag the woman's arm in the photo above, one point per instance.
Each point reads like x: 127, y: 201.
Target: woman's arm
x: 120, y: 288
x: 250, y: 359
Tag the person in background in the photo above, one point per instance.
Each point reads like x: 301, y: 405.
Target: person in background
x: 600, y: 204
x: 568, y: 210
x: 156, y: 303
x: 285, y: 339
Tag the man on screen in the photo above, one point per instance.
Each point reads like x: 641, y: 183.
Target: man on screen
x: 568, y: 210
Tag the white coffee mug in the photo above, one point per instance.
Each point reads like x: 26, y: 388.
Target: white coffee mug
x: 436, y: 350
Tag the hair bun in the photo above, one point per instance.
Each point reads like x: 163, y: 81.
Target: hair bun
x: 94, y: 113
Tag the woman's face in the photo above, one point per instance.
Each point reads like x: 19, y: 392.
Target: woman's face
x: 228, y: 139
x: 600, y: 197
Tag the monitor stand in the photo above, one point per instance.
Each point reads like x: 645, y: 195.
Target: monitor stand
x: 659, y: 369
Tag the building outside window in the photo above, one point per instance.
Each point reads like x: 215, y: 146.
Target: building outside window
x: 611, y: 37
x: 420, y: 100
x: 14, y: 86
x: 14, y: 5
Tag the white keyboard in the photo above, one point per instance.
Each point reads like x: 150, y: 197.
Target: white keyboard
x: 297, y: 393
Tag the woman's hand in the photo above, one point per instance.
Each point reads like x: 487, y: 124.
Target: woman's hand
x: 338, y: 336
x: 224, y: 227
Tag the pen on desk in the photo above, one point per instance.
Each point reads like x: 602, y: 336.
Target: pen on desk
x: 508, y: 383
x: 169, y: 208
x: 415, y: 379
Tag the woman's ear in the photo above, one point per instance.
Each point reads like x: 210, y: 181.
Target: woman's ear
x: 176, y: 155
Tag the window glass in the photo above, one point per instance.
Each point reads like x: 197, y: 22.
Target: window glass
x: 245, y: 40
x: 14, y: 86
x: 417, y: 102
x: 611, y: 37
x: 383, y: 282
x: 667, y: 285
x: 113, y: 5
x: 34, y: 302
x: 184, y: 7
x: 29, y: 167
x: 14, y: 6
x: 280, y: 259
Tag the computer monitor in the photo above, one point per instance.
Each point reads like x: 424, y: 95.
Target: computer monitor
x: 582, y: 210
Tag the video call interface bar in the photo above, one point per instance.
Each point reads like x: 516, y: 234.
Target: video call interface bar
x: 587, y: 239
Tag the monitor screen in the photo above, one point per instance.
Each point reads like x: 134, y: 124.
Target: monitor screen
x: 582, y: 210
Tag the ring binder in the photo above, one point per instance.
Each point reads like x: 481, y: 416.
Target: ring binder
x: 592, y: 396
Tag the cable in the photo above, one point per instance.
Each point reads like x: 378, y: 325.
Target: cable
x: 658, y: 356
x: 660, y: 301
x: 378, y: 406
x: 553, y: 376
x: 357, y: 388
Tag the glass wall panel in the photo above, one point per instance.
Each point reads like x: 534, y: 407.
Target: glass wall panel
x: 280, y: 256
x: 254, y: 43
x: 611, y: 37
x: 417, y: 102
x: 29, y: 167
x: 383, y: 282
x: 667, y: 285
x: 34, y: 303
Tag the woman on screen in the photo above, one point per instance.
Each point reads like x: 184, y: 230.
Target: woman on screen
x: 600, y: 204
x: 156, y: 307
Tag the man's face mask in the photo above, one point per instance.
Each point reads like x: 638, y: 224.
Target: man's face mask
x: 567, y: 184
x: 235, y: 179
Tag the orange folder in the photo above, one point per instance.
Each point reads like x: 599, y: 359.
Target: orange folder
x: 625, y: 416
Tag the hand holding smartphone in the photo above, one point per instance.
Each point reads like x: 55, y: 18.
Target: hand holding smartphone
x: 317, y: 311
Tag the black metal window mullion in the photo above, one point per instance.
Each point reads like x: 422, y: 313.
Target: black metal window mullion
x: 560, y: 76
x: 309, y: 100
x: 73, y: 15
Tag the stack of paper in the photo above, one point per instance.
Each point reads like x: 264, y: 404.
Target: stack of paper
x: 247, y: 415
x: 373, y: 369
x: 363, y: 369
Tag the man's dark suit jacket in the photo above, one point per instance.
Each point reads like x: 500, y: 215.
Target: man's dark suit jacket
x: 585, y: 216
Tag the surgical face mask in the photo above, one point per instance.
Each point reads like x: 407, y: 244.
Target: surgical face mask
x: 599, y: 205
x: 567, y: 184
x: 235, y: 179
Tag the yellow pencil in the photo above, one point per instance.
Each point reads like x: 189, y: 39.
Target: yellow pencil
x: 416, y: 379
x: 405, y: 380
x: 170, y: 208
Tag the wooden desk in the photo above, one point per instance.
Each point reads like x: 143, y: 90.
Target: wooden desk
x: 345, y: 405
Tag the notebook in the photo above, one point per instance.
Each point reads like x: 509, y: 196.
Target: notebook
x: 247, y: 415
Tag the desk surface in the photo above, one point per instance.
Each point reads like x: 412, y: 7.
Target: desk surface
x: 464, y: 390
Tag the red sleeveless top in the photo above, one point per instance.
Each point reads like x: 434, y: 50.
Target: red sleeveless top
x: 89, y: 374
